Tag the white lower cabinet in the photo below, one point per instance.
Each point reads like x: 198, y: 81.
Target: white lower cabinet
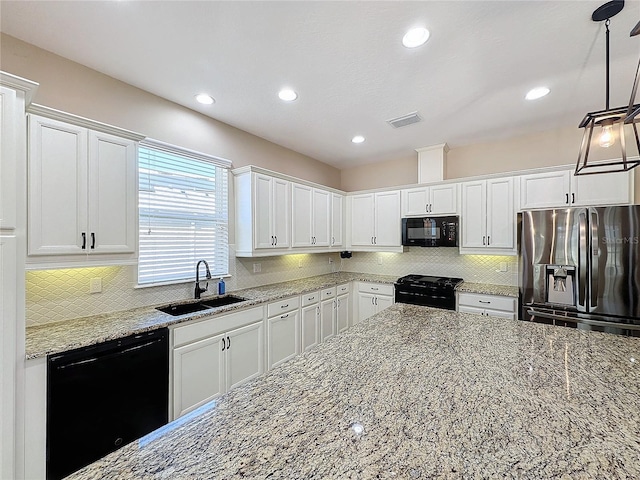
x: 488, y: 305
x: 214, y: 355
x: 283, y: 331
x: 310, y: 320
x: 373, y: 298
x: 328, y: 313
x: 343, y: 310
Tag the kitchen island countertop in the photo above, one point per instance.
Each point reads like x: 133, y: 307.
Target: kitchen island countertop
x: 416, y: 392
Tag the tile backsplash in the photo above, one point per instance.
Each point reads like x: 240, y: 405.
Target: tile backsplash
x: 446, y: 262
x: 56, y: 295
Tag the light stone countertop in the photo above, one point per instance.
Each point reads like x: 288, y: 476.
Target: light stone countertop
x: 488, y: 289
x: 59, y: 337
x: 436, y: 394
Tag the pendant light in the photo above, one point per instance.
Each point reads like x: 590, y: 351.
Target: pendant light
x: 610, y: 137
x: 633, y: 113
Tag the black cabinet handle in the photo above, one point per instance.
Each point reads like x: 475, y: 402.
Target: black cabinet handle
x: 573, y: 198
x: 483, y: 240
x: 567, y: 198
x: 371, y: 240
x: 84, y: 240
x: 276, y: 237
x: 223, y: 345
x: 228, y: 343
x: 483, y: 301
x: 284, y: 316
x: 488, y: 239
x: 284, y: 306
x: 93, y: 240
x: 272, y: 240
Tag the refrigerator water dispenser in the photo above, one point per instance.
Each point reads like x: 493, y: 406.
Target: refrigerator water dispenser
x: 561, y: 285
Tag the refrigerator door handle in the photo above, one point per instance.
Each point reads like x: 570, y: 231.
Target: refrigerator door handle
x: 593, y: 252
x: 582, y: 261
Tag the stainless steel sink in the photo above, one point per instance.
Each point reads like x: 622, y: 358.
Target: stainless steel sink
x: 200, y: 305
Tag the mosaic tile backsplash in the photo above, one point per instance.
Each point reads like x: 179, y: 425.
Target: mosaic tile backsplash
x: 56, y: 295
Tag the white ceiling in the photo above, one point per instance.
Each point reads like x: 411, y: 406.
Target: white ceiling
x: 346, y: 61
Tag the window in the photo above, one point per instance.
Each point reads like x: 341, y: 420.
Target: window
x: 183, y: 213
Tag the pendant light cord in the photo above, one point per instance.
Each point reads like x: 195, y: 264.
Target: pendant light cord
x: 606, y: 24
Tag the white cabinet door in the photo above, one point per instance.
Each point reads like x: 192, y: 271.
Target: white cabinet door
x: 283, y: 332
x: 112, y: 194
x: 321, y: 216
x: 383, y: 302
x: 474, y: 214
x: 366, y: 306
x: 198, y: 374
x: 57, y: 188
x: 301, y: 215
x: 362, y: 220
x: 500, y: 213
x: 443, y: 199
x: 342, y: 312
x: 609, y: 189
x: 387, y: 222
x: 281, y: 213
x: 310, y: 319
x: 545, y: 190
x: 337, y: 220
x: 415, y: 201
x: 327, y: 318
x: 262, y: 200
x: 244, y: 354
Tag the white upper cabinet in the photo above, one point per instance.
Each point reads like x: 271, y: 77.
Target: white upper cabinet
x: 8, y: 156
x: 278, y: 215
x: 337, y: 220
x: 431, y: 200
x: 263, y: 214
x: 488, y: 220
x: 82, y: 190
x: 375, y: 221
x: 311, y: 216
x: 561, y: 188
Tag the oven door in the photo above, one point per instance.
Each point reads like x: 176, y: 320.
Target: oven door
x: 428, y: 297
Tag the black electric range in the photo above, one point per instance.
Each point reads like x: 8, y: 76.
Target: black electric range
x: 427, y: 290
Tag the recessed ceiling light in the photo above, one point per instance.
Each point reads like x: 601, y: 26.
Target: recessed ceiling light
x: 415, y: 37
x: 536, y: 93
x: 358, y: 139
x: 287, y: 95
x: 205, y: 99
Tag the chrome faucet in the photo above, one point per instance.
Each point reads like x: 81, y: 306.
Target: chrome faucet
x: 198, y: 289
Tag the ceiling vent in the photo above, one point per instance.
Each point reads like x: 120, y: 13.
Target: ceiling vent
x: 405, y: 120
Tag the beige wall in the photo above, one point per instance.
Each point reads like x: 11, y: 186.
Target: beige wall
x: 402, y: 171
x: 73, y: 88
x: 538, y: 150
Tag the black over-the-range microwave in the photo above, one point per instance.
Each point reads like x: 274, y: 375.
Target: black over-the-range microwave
x: 430, y: 232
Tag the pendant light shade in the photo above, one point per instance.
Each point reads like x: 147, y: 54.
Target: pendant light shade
x: 610, y: 142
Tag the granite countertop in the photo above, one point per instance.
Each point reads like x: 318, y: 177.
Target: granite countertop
x: 81, y: 332
x: 415, y: 392
x: 488, y: 289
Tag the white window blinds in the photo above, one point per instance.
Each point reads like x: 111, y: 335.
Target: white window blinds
x: 183, y: 213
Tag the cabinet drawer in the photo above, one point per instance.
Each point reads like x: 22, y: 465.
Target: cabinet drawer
x: 328, y: 293
x: 310, y: 298
x: 342, y: 289
x: 283, y: 306
x: 377, y: 288
x: 214, y: 325
x: 493, y: 302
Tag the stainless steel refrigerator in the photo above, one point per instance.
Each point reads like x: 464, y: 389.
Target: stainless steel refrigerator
x: 581, y: 267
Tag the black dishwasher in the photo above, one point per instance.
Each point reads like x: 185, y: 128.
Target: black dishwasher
x: 103, y: 396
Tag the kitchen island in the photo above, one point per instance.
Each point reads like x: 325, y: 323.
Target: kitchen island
x: 416, y: 392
